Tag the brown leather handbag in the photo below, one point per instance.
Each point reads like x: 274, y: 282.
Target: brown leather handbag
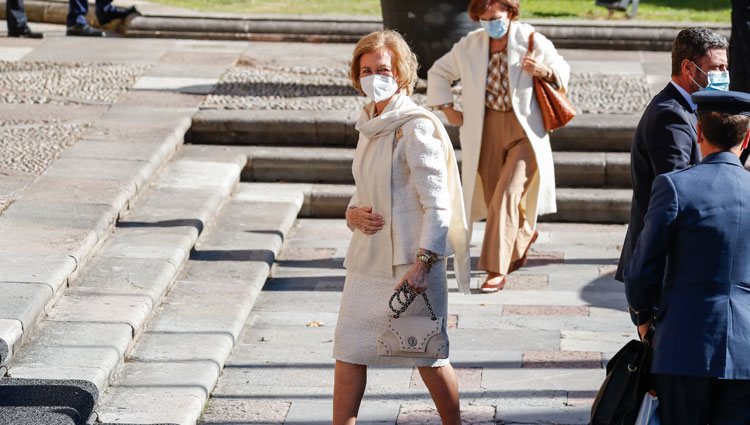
x: 555, y: 105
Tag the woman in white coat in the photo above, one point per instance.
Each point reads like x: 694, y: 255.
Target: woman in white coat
x: 507, y: 171
x: 406, y: 217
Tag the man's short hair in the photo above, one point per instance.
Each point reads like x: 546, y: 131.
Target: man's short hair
x: 723, y: 130
x: 694, y: 43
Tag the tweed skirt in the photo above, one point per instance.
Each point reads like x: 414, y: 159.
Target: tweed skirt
x: 364, y: 313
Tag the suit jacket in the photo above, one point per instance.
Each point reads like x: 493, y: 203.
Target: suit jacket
x: 665, y: 140
x: 691, y: 270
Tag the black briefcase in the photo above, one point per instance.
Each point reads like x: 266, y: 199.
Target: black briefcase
x: 628, y: 379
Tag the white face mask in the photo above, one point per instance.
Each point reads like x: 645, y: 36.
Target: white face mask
x: 378, y: 87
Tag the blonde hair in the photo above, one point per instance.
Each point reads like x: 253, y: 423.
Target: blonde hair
x: 403, y: 60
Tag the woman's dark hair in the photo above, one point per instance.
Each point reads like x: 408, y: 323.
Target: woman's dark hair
x: 478, y: 7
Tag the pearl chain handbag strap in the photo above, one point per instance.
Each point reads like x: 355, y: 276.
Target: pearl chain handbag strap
x: 409, y: 296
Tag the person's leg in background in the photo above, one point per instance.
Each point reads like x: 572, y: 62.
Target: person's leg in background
x: 106, y: 12
x: 633, y: 10
x: 76, y: 20
x: 18, y: 25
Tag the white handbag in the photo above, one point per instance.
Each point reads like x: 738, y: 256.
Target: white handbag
x: 413, y: 336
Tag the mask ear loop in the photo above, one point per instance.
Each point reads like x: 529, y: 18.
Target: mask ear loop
x: 702, y: 72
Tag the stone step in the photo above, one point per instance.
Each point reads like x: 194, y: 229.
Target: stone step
x: 333, y: 165
x: 92, y: 326
x: 592, y: 133
x: 58, y: 222
x: 178, y: 359
x: 573, y: 204
x: 579, y: 34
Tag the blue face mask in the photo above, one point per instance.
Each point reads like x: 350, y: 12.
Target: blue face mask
x: 495, y: 28
x: 717, y: 80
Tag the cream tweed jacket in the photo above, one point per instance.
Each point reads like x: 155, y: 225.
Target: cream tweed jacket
x: 426, y: 208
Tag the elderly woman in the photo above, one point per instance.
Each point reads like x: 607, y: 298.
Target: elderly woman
x: 507, y: 170
x: 406, y: 216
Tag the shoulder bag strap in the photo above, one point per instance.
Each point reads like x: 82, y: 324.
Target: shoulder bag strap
x: 531, y: 43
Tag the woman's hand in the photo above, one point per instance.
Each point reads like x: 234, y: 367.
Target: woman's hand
x: 362, y: 218
x: 535, y: 68
x: 454, y: 117
x: 643, y: 330
x: 415, y: 276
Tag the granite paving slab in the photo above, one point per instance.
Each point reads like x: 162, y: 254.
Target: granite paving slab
x: 523, y: 356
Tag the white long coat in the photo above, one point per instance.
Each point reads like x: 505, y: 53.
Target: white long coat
x: 467, y: 61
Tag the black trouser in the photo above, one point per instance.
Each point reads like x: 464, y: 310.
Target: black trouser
x: 690, y: 400
x: 77, y: 10
x: 15, y: 16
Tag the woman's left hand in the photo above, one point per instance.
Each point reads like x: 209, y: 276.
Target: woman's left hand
x: 534, y: 67
x: 415, y: 276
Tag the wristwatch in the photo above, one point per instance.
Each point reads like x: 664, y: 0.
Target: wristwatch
x: 428, y: 259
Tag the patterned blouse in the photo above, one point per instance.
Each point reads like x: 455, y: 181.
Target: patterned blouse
x: 498, y: 87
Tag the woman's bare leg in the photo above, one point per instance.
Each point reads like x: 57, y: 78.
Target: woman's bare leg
x: 349, y: 383
x: 443, y: 387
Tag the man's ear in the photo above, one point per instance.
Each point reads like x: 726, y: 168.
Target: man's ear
x: 686, y: 66
x: 699, y: 138
x: 747, y: 139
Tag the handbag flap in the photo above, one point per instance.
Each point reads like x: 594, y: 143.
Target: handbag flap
x: 414, y: 332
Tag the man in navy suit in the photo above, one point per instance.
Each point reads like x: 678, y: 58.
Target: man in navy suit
x: 105, y: 13
x: 18, y: 25
x: 665, y: 137
x: 690, y: 274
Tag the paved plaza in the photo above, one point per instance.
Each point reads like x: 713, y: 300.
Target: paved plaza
x: 531, y: 354
x: 186, y: 291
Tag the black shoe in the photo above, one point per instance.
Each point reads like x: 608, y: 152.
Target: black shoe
x: 26, y: 32
x: 115, y: 13
x: 83, y: 30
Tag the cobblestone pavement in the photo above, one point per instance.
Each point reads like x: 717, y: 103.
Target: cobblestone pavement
x: 30, y: 145
x: 65, y: 82
x: 531, y: 354
x: 266, y: 86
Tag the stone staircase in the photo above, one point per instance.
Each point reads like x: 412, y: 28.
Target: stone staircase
x: 592, y: 163
x: 139, y: 333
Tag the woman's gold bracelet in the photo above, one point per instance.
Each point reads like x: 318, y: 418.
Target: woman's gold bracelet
x: 428, y: 259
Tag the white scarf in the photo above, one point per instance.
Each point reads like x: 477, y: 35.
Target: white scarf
x: 373, y: 254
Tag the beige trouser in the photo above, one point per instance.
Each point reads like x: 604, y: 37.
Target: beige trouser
x: 506, y: 166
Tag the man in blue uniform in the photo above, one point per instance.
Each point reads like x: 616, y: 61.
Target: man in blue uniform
x: 690, y: 273
x: 665, y: 139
